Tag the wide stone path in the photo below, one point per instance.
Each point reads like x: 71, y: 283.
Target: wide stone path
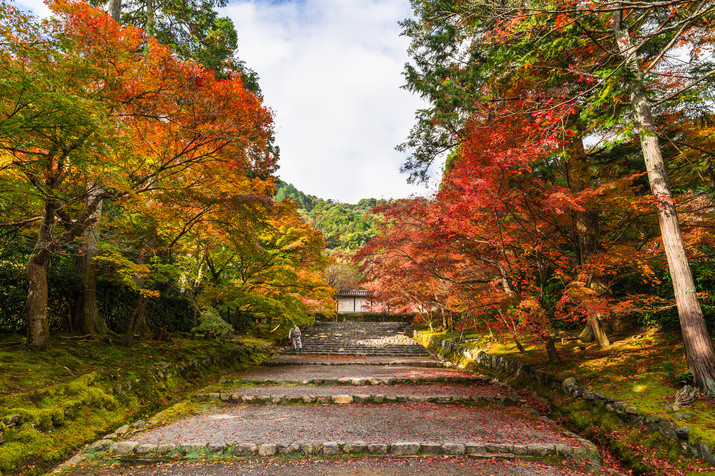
x: 355, y: 415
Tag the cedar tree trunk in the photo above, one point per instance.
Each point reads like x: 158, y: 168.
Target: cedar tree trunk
x: 698, y: 346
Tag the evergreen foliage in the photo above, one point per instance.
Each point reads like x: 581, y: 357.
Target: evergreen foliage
x: 346, y: 227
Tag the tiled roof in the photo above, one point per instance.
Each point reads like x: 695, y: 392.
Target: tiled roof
x: 354, y: 293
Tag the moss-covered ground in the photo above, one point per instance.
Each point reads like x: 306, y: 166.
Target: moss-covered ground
x: 80, y: 390
x: 644, y: 368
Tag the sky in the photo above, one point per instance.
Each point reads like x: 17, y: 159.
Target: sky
x: 331, y: 72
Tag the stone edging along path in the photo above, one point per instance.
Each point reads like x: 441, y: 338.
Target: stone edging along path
x: 334, y: 448
x: 569, y: 386
x: 428, y: 364
x: 355, y: 398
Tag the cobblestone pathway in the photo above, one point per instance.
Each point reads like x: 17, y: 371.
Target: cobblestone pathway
x: 352, y: 415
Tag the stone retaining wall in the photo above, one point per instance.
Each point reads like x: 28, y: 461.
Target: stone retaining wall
x: 569, y: 386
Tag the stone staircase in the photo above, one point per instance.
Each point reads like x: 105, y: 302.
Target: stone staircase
x: 373, y: 339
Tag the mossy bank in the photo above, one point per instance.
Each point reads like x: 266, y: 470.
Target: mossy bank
x: 54, y: 402
x: 631, y: 425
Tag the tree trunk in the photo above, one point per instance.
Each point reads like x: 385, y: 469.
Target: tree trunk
x: 137, y: 321
x: 598, y: 332
x: 698, y: 346
x: 518, y: 344
x: 115, y: 10
x: 551, y: 351
x: 38, y: 325
x: 87, y: 319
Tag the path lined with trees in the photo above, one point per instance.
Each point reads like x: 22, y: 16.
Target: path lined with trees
x: 359, y: 406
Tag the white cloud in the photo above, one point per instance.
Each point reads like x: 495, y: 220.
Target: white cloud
x: 37, y: 7
x: 332, y: 71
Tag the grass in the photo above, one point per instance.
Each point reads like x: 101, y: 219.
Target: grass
x: 644, y: 368
x: 79, y: 390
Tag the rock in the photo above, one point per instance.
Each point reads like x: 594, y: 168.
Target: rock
x: 667, y: 429
x: 377, y: 449
x: 632, y: 410
x: 540, y: 449
x: 139, y: 424
x: 453, y: 449
x: 431, y: 449
x: 244, y: 449
x: 362, y: 398
x: 476, y: 449
x: 355, y: 447
x: 309, y: 399
x: 378, y: 398
x: 342, y: 399
x: 311, y: 448
x: 563, y: 450
x: 682, y: 416
x: 100, y: 445
x: 165, y: 448
x: 122, y: 430
x: 11, y: 420
x: 145, y: 448
x: 267, y: 449
x: 405, y: 448
x: 189, y: 447
x: 682, y: 432
x: 218, y: 448
x: 569, y: 384
x: 706, y: 453
x: 330, y: 448
x: 123, y: 447
x: 284, y: 449
x: 520, y: 450
x: 499, y: 448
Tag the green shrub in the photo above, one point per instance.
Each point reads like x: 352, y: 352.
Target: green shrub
x: 211, y: 324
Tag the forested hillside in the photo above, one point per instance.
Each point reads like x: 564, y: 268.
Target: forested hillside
x: 346, y: 227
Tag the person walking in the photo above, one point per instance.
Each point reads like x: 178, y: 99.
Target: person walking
x: 294, y: 337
